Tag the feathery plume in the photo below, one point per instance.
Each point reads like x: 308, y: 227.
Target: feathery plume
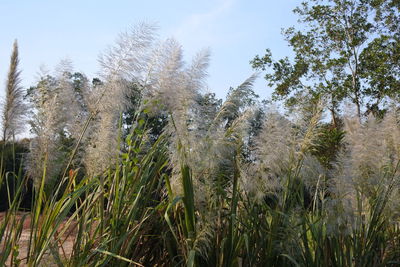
x: 121, y: 64
x: 55, y: 118
x: 234, y: 103
x: 14, y: 106
x: 369, y: 160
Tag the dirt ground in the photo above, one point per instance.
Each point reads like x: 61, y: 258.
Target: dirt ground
x: 65, y: 246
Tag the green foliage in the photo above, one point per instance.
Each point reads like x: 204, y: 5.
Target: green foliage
x: 380, y: 67
x: 12, y: 154
x: 328, y: 144
x: 341, y: 53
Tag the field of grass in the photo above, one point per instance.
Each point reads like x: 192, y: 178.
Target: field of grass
x: 172, y: 202
x: 143, y: 166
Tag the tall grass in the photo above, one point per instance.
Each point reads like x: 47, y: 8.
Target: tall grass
x: 131, y: 215
x: 219, y: 185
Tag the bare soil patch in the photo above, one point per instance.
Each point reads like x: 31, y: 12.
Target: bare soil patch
x: 65, y: 245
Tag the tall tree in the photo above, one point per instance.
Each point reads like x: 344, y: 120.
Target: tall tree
x: 340, y: 54
x: 13, y: 107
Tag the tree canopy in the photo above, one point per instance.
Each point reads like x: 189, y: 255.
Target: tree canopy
x: 343, y: 50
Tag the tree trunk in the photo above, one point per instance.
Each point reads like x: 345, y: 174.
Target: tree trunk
x: 333, y: 114
x: 358, y: 110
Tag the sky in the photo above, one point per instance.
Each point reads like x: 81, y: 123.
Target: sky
x: 235, y: 31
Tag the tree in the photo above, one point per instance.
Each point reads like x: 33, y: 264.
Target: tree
x: 387, y: 15
x: 14, y: 107
x: 381, y: 59
x: 340, y: 54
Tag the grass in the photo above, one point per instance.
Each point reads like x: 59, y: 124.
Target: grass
x: 131, y: 215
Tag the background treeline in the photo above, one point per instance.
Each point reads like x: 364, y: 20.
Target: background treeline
x: 145, y: 167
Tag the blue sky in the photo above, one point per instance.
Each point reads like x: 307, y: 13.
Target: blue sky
x: 235, y: 30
